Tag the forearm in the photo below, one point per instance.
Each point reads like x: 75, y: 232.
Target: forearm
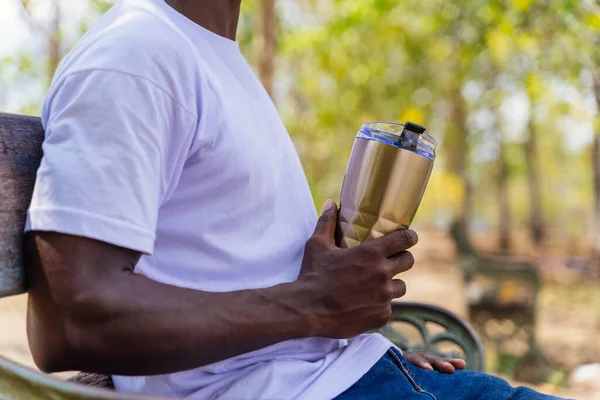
x: 135, y: 326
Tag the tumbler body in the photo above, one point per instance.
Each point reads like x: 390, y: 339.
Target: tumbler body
x: 386, y: 178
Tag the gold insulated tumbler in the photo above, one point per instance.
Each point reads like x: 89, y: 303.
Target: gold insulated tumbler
x: 387, y: 175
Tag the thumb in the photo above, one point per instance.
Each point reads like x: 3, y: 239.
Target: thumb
x: 327, y: 222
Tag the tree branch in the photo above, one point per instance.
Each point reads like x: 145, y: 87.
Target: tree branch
x: 31, y: 21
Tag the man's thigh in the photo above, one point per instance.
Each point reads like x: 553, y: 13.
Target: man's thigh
x: 395, y: 378
x: 386, y: 380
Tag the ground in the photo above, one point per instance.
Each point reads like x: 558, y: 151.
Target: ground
x: 569, y: 311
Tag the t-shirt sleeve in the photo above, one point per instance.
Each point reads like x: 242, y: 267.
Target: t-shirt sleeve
x: 114, y: 149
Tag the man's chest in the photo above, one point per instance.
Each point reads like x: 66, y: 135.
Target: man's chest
x: 246, y: 149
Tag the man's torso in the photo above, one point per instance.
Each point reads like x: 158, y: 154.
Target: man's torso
x: 239, y: 213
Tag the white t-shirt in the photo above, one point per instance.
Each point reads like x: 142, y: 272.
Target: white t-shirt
x: 160, y: 138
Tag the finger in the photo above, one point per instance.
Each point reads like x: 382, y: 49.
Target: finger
x: 457, y: 363
x: 439, y: 363
x: 401, y: 262
x: 418, y: 361
x: 399, y: 288
x: 325, y: 229
x: 395, y: 242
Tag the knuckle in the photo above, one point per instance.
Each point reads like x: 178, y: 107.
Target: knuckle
x: 389, y: 292
x: 381, y: 273
x: 385, y: 295
x: 311, y: 243
x: 397, y: 242
x: 326, y: 218
x: 382, y: 278
x: 406, y: 238
x: 370, y: 252
x: 411, y: 258
x: 408, y: 260
x: 388, y: 247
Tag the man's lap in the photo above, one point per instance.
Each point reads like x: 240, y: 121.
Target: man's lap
x: 395, y: 378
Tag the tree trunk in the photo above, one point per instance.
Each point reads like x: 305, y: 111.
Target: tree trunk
x: 596, y: 173
x: 267, y: 44
x: 54, y: 42
x: 457, y: 146
x: 536, y: 221
x: 504, y: 222
x: 596, y: 177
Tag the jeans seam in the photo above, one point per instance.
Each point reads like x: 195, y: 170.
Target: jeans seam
x: 409, y: 374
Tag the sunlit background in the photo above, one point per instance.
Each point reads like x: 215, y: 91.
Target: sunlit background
x: 510, y: 89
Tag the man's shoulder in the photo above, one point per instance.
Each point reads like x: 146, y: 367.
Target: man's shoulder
x: 137, y: 39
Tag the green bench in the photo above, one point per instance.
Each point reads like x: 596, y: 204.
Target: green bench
x: 434, y: 329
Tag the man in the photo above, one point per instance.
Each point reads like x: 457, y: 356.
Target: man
x: 169, y: 227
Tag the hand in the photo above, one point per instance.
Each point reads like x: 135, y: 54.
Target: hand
x: 350, y: 290
x: 431, y: 362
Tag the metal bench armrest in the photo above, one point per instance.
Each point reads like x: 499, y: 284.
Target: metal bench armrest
x: 455, y: 331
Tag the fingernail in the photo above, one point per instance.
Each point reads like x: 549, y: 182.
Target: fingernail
x: 428, y: 366
x: 447, y: 364
x: 327, y: 207
x: 414, y: 238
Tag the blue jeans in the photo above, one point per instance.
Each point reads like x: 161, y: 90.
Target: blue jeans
x: 395, y: 378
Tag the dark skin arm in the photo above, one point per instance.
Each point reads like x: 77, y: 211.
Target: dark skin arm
x: 88, y: 311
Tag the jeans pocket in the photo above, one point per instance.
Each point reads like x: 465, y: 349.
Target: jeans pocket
x: 407, y: 370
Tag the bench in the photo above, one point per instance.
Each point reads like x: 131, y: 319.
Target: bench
x: 502, y: 293
x: 434, y: 330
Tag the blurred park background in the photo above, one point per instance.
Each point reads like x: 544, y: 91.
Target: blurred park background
x: 510, y: 89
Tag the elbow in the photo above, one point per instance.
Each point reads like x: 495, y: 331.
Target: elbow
x: 71, y: 341
x: 52, y: 359
x: 54, y: 348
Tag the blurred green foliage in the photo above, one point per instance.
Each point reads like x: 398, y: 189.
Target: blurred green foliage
x: 461, y: 68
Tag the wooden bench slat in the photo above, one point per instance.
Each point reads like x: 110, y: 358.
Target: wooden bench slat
x: 18, y: 382
x: 21, y: 140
